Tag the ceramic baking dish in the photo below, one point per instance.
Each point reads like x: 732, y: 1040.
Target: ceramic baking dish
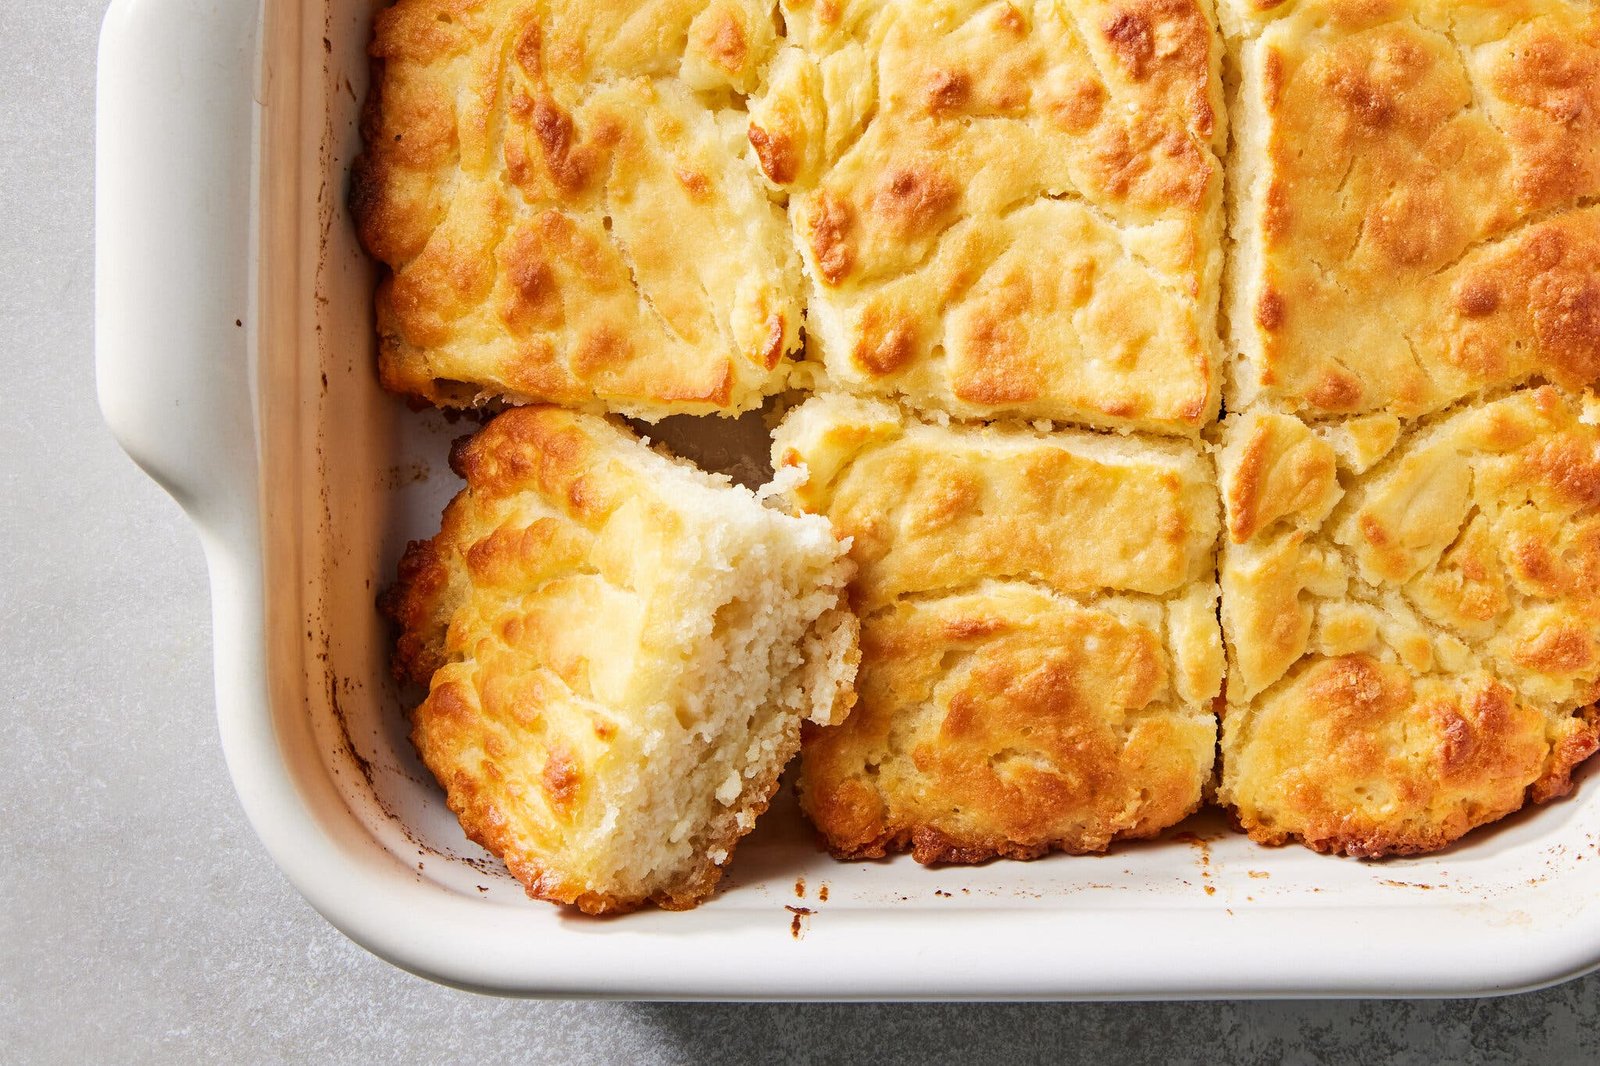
x: 235, y: 360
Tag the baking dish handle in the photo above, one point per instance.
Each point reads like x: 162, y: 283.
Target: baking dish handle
x: 175, y: 131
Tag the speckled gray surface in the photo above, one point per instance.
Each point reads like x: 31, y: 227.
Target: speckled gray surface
x: 142, y: 922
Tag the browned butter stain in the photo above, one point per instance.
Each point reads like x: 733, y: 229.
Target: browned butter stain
x: 399, y: 476
x: 797, y: 923
x: 822, y: 892
x: 363, y: 766
x: 800, y: 888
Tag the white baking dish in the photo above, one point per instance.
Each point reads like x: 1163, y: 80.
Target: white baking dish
x: 235, y: 365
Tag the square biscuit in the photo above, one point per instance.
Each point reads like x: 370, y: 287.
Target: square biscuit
x: 1412, y: 619
x: 619, y: 651
x: 1414, y: 188
x: 1039, y: 643
x: 1006, y: 209
x: 570, y: 209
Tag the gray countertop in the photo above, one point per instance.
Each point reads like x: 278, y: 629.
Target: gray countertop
x: 141, y: 921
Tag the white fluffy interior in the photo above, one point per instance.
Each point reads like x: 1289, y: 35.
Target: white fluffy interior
x: 761, y: 652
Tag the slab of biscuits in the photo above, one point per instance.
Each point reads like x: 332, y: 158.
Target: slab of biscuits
x: 1172, y: 402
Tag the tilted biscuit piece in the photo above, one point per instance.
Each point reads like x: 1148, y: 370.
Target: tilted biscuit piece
x: 1040, y: 648
x: 620, y: 650
x: 1007, y: 209
x: 570, y: 206
x: 1414, y: 645
x: 1415, y: 186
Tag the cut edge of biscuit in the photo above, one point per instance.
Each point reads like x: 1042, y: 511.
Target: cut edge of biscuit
x: 1245, y: 180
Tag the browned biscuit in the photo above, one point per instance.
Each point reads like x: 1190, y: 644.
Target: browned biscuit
x: 1413, y: 624
x: 570, y: 207
x: 1040, y: 649
x: 1007, y: 209
x: 619, y: 651
x: 1415, y: 185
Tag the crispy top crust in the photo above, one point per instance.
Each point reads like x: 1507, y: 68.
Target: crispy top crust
x: 552, y: 618
x: 549, y: 493
x: 555, y: 186
x: 1007, y: 209
x: 1039, y: 641
x: 1358, y: 755
x: 1415, y: 650
x: 1417, y: 182
x: 1009, y: 721
x: 934, y: 509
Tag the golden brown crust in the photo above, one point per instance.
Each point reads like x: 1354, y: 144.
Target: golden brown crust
x: 416, y: 603
x: 1007, y: 209
x: 1007, y: 722
x: 1367, y: 761
x: 559, y: 619
x: 1416, y: 183
x: 1413, y: 645
x: 489, y: 821
x: 553, y: 186
x: 1039, y: 641
x: 929, y: 507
